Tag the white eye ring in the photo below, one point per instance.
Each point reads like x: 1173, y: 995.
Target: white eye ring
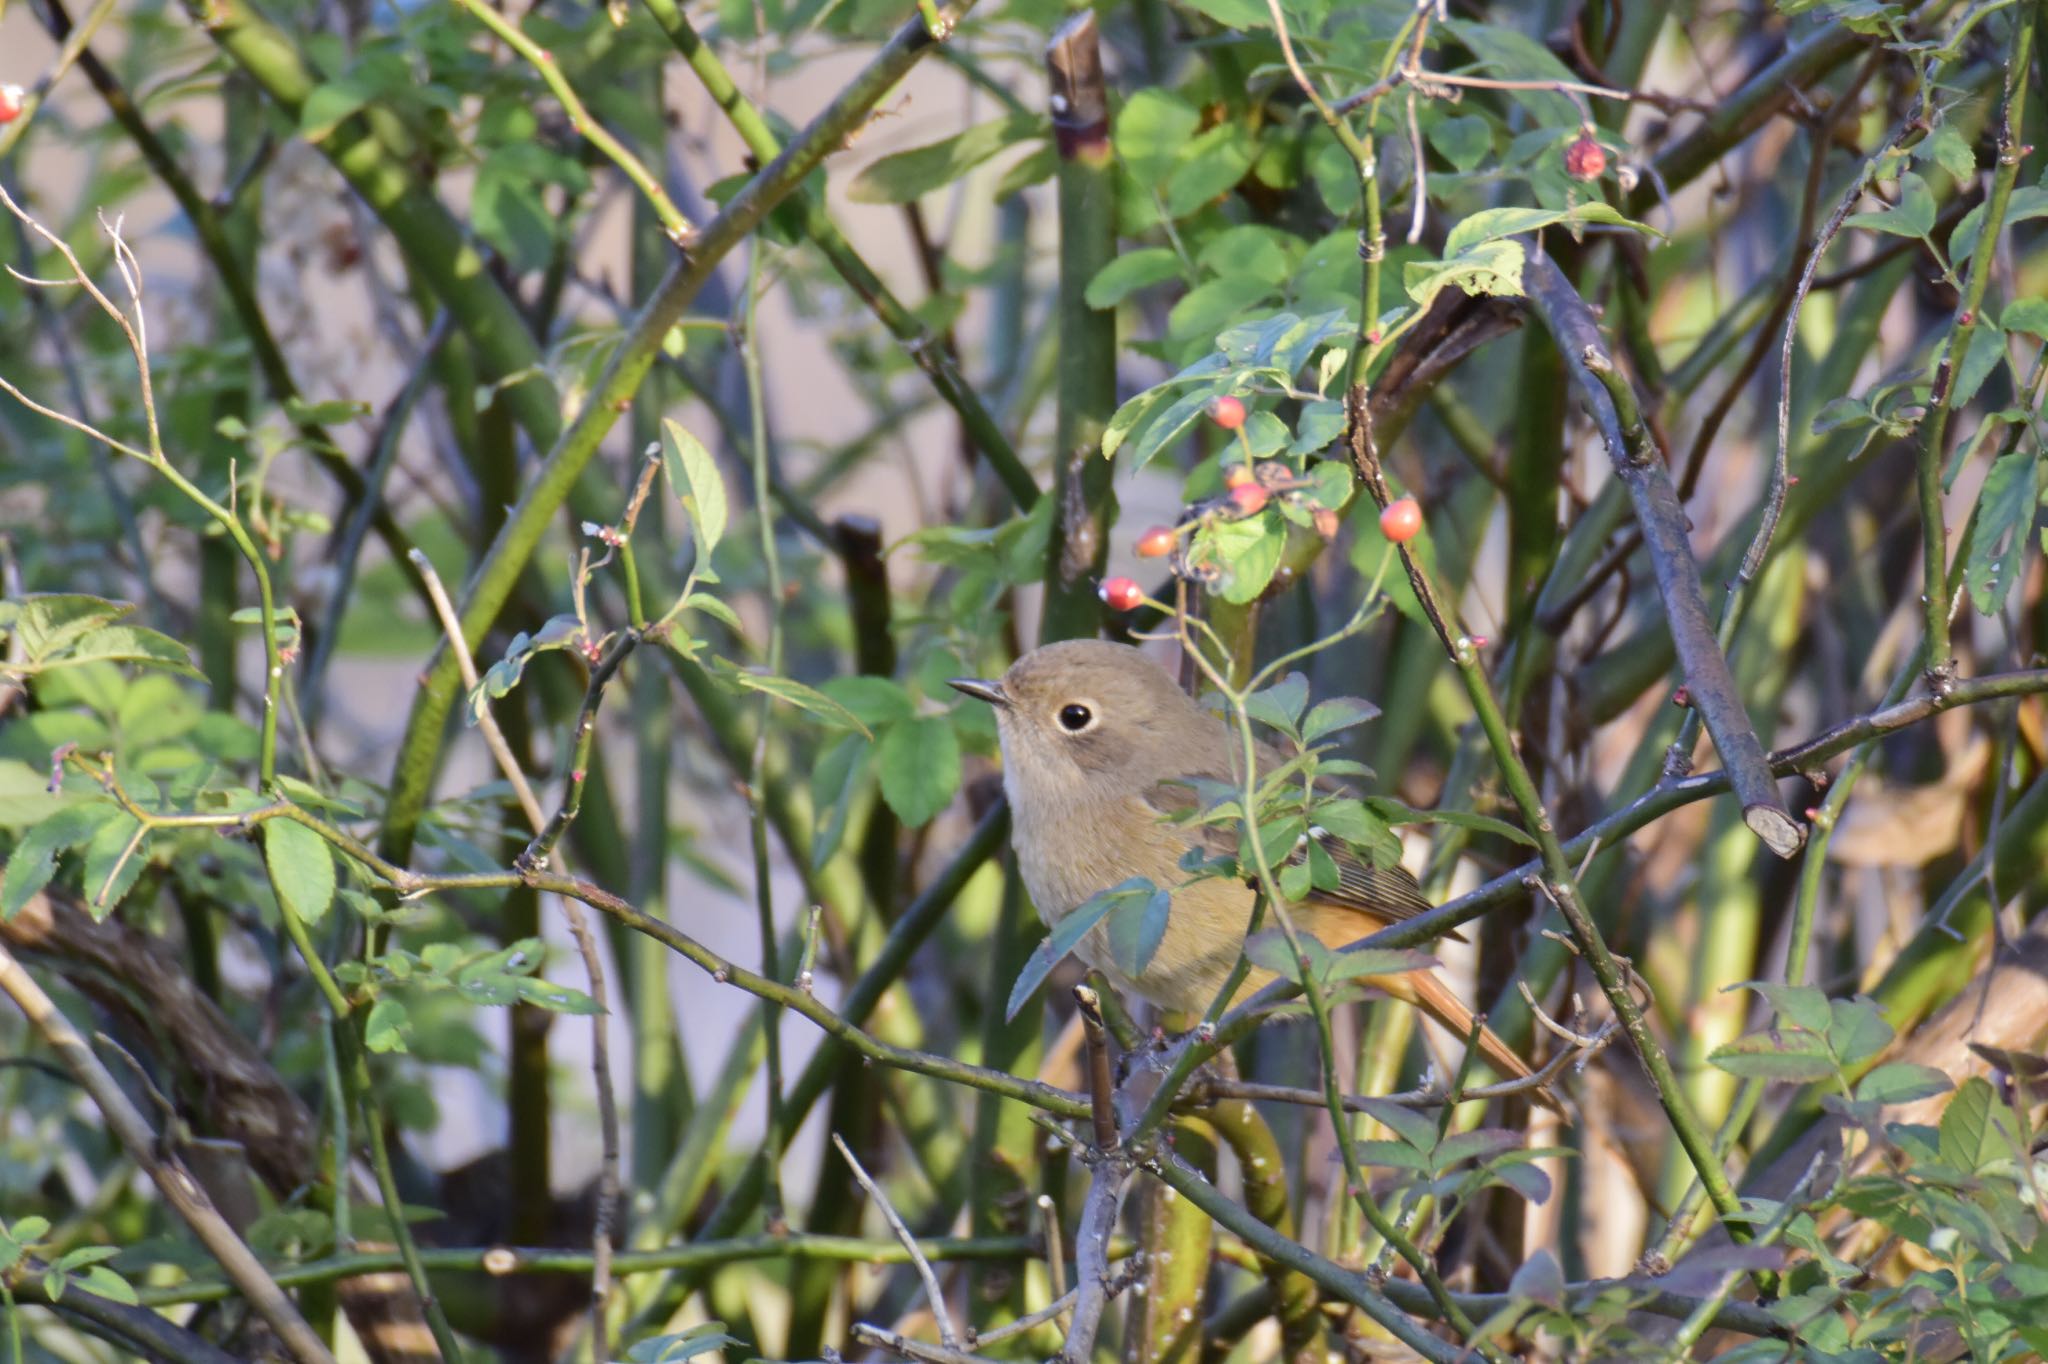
x: 1077, y: 717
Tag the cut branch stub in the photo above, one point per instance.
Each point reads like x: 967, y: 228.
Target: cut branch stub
x: 1079, y: 97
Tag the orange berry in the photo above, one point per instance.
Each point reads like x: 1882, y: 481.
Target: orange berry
x: 1227, y: 412
x: 1238, y: 475
x: 11, y: 99
x: 1121, y: 594
x: 1585, y: 158
x: 1250, y: 498
x: 1157, y: 543
x: 1402, y: 520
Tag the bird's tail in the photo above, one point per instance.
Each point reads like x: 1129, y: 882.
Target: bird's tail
x: 1428, y: 993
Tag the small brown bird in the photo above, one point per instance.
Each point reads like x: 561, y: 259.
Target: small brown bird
x: 1098, y: 745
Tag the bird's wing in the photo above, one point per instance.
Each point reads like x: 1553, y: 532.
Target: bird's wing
x: 1388, y: 893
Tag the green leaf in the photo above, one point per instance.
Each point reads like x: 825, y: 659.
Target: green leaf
x: 1539, y: 1280
x: 2026, y: 203
x: 110, y: 869
x: 1130, y: 272
x: 2029, y: 315
x: 105, y: 1283
x: 683, y: 1345
x: 546, y: 994
x: 1912, y: 216
x: 34, y: 860
x: 1247, y: 551
x: 1951, y: 151
x: 1789, y: 1054
x: 1281, y: 704
x: 301, y: 868
x: 508, y: 203
x: 1064, y: 936
x: 1983, y: 353
x: 1492, y: 224
x: 1252, y: 249
x: 45, y: 623
x: 1394, y: 812
x: 1491, y: 268
x: 1976, y: 1128
x: 1464, y: 141
x: 918, y: 761
x: 1137, y: 925
x: 1412, y: 1126
x: 1376, y: 961
x: 1150, y: 132
x: 796, y: 694
x: 1210, y: 166
x: 694, y: 476
x: 1270, y: 949
x: 1901, y: 1082
x: 904, y: 176
x: 386, y: 1027
x: 835, y: 779
x: 2005, y: 513
x: 874, y: 701
x: 1800, y: 1005
x: 1857, y: 1029
x: 1336, y: 714
x: 328, y: 104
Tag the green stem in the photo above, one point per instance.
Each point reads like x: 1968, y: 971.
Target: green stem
x: 510, y: 1260
x: 543, y: 61
x: 1934, y: 426
x: 777, y: 1134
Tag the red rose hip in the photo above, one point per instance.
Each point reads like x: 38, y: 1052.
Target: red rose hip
x: 1227, y: 412
x: 11, y: 100
x: 1402, y: 520
x: 1237, y: 475
x: 1585, y: 158
x: 1121, y: 594
x: 1250, y: 498
x: 1157, y: 543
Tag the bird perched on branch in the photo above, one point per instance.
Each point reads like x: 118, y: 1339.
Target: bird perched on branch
x: 1100, y: 746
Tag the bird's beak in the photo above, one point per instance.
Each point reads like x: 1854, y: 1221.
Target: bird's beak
x: 981, y: 689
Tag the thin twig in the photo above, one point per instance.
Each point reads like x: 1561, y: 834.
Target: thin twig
x: 579, y: 929
x: 948, y: 1335
x: 1056, y: 1308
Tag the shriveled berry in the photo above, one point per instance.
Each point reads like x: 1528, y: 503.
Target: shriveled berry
x: 1227, y: 412
x: 1326, y: 522
x: 1237, y: 475
x: 1250, y: 498
x: 1585, y: 158
x: 1121, y: 594
x: 1157, y: 543
x: 11, y: 100
x: 1402, y: 520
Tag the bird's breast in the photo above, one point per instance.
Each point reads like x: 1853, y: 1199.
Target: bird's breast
x: 1069, y: 854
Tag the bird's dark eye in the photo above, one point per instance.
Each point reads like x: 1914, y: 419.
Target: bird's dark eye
x: 1076, y: 717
